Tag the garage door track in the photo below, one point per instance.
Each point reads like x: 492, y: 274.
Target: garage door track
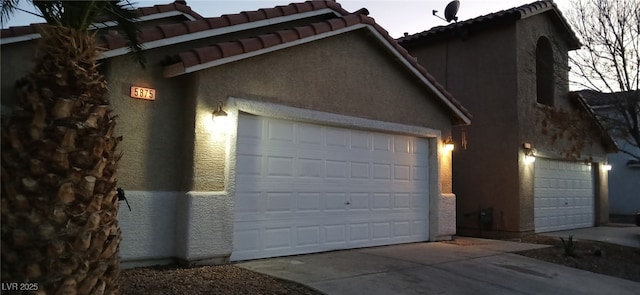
x: 468, y: 266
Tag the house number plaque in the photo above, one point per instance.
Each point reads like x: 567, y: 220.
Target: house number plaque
x: 143, y: 93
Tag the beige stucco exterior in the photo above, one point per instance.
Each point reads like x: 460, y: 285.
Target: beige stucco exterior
x: 177, y: 169
x: 492, y: 72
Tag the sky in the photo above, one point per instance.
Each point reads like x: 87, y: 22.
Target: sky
x: 397, y: 17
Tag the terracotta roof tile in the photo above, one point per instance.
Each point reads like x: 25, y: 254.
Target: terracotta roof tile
x: 189, y: 58
x: 217, y: 22
x: 147, y: 10
x: 229, y: 49
x: 323, y: 4
x: 337, y: 23
x: 303, y: 7
x: 175, y: 6
x: 152, y: 34
x: 247, y: 45
x: 269, y: 40
x: 171, y: 30
x: 197, y: 26
x: 271, y: 12
x: 287, y: 35
x: 484, y: 21
x: 287, y: 10
x: 250, y: 44
x: 113, y: 39
x: 351, y: 19
x: 164, y: 8
x: 235, y: 19
x: 304, y: 32
x: 213, y: 53
x: 253, y: 16
x: 320, y: 28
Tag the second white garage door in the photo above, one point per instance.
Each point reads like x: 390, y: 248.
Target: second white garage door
x: 563, y: 197
x: 304, y: 188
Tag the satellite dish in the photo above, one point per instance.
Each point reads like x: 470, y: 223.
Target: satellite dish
x: 451, y: 10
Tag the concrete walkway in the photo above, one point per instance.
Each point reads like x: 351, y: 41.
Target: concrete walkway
x: 621, y: 234
x: 469, y: 266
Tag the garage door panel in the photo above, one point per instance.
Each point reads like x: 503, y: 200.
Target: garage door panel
x: 563, y: 195
x: 306, y: 188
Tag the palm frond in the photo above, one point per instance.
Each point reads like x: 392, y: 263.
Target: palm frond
x: 123, y: 13
x: 81, y: 15
x: 7, y: 10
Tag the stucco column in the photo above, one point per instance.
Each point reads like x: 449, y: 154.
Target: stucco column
x: 446, y: 199
x: 204, y: 226
x: 601, y: 194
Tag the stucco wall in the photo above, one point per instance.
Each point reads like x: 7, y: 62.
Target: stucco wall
x: 535, y: 126
x: 16, y: 63
x: 492, y: 73
x: 154, y: 136
x: 484, y: 174
x: 148, y: 231
x: 341, y: 75
x: 623, y: 183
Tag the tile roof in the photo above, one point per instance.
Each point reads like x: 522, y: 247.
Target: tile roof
x: 178, y: 64
x: 177, y: 6
x: 493, y: 19
x: 115, y: 41
x: 590, y: 100
x: 597, y: 99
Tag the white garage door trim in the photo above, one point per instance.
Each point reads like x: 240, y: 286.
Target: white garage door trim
x: 236, y: 105
x: 563, y: 195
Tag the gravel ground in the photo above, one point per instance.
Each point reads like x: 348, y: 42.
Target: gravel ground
x: 221, y: 279
x: 604, y: 258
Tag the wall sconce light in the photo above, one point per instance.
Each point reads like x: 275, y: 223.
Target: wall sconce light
x: 529, y: 153
x: 606, y: 167
x: 219, y: 116
x: 448, y: 144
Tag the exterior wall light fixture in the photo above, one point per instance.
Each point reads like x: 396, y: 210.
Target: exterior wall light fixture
x: 606, y: 167
x: 219, y: 116
x: 529, y: 153
x: 448, y: 144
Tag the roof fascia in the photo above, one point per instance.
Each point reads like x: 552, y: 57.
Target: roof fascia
x: 154, y: 16
x: 178, y: 69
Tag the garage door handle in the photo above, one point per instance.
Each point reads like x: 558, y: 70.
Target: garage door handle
x: 347, y: 203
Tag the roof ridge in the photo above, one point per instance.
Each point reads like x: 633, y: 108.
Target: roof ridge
x: 511, y: 14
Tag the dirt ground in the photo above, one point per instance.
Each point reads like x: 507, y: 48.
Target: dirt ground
x: 609, y: 259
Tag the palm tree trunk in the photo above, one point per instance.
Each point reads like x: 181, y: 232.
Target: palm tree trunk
x: 59, y: 161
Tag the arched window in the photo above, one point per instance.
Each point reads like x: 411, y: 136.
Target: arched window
x: 544, y: 72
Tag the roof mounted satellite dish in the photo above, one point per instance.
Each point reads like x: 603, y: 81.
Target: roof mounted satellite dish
x: 449, y: 12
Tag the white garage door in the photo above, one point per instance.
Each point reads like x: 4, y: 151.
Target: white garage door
x: 563, y: 195
x: 304, y: 188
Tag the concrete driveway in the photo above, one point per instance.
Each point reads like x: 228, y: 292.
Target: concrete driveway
x: 470, y: 266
